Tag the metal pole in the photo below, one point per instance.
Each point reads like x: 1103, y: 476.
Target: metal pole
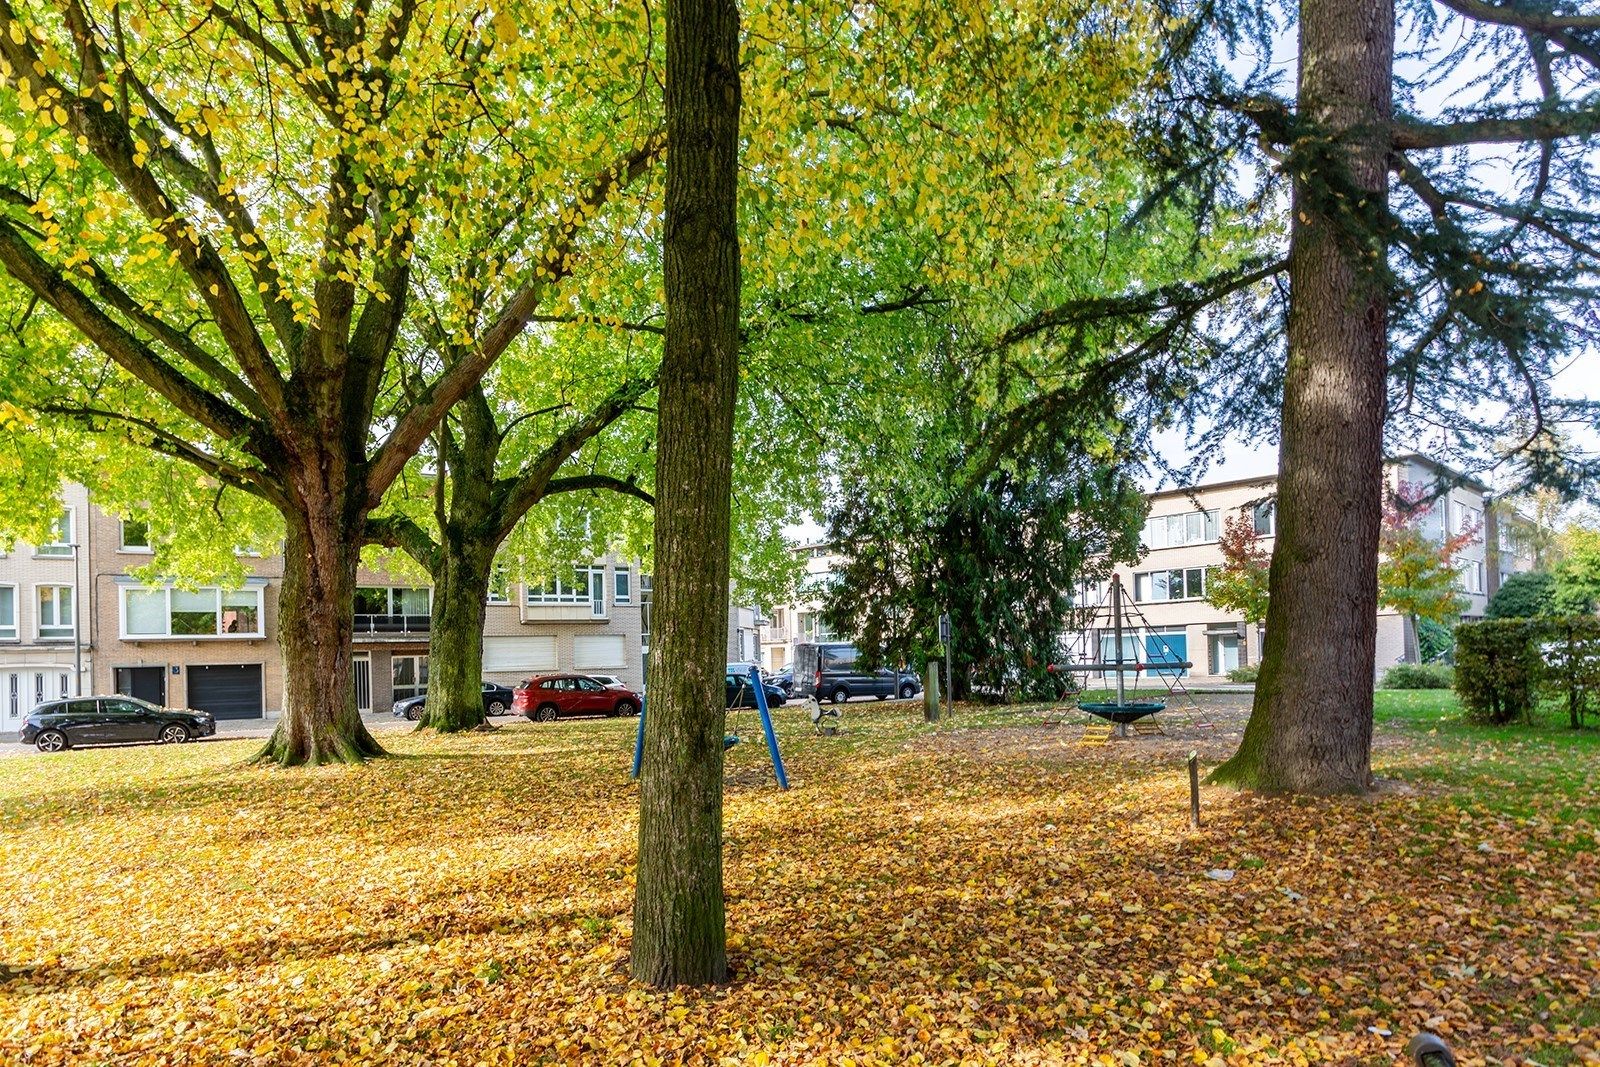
x: 766, y: 727
x: 1116, y: 623
x: 949, y: 689
x: 638, y: 742
x: 1194, y: 791
x: 77, y: 613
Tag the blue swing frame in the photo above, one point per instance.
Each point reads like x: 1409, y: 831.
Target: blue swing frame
x: 731, y: 740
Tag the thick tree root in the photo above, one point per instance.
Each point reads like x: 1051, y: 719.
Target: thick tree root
x: 282, y: 751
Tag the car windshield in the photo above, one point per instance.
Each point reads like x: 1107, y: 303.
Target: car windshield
x: 144, y: 705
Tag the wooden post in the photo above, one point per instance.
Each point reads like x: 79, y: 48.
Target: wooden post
x: 930, y: 692
x: 1194, y: 791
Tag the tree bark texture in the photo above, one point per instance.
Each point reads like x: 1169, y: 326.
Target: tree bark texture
x: 678, y: 919
x: 316, y: 620
x: 455, y: 639
x: 1311, y: 727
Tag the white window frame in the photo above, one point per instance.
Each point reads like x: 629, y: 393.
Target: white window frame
x: 1269, y: 510
x: 122, y: 539
x: 622, y: 585
x: 576, y: 589
x: 1210, y: 529
x: 13, y: 630
x: 1144, y: 583
x: 166, y: 612
x: 67, y: 546
x: 419, y: 669
x: 500, y: 574
x: 38, y: 608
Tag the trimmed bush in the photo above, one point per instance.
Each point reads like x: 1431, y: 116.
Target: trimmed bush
x: 1419, y: 676
x: 1504, y: 667
x: 1244, y: 674
x: 1529, y: 595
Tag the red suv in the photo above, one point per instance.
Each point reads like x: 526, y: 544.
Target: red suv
x: 547, y: 697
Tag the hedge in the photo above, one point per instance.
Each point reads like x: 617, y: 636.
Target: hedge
x: 1505, y: 667
x: 1419, y: 676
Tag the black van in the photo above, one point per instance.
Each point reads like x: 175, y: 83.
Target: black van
x: 829, y: 672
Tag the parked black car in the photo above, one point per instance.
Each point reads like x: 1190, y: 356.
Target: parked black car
x: 496, y: 701
x: 784, y: 680
x: 59, y: 724
x: 740, y: 694
x: 830, y: 672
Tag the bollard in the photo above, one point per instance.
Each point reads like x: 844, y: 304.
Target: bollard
x: 1194, y: 791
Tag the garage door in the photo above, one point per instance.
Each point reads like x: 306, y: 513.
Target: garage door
x: 228, y: 692
x: 519, y: 654
x: 601, y: 650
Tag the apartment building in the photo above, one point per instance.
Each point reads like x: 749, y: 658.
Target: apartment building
x: 44, y: 650
x: 1167, y: 587
x: 216, y: 648
x: 800, y: 620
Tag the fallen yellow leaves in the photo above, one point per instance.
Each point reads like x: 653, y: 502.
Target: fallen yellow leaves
x: 984, y: 896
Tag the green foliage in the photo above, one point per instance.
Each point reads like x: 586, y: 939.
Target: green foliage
x: 1419, y: 676
x: 1577, y: 575
x: 1002, y: 558
x: 1504, y: 667
x: 1528, y: 595
x: 1435, y: 641
x: 1247, y: 673
x: 1240, y: 584
x: 1417, y: 575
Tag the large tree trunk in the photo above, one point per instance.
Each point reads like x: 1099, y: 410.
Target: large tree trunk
x: 678, y: 931
x: 455, y: 642
x: 316, y: 617
x: 1311, y: 727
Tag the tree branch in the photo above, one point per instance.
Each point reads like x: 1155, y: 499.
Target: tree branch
x: 1554, y: 125
x: 555, y: 261
x: 598, y: 481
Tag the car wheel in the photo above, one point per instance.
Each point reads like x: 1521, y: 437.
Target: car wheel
x: 172, y: 734
x: 497, y: 707
x: 626, y: 707
x: 414, y: 713
x: 907, y: 691
x: 546, y: 713
x: 50, y: 741
x: 840, y: 695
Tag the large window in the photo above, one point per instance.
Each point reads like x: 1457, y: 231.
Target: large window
x: 500, y: 584
x: 1170, y: 531
x: 410, y: 676
x: 622, y: 585
x: 1471, y: 576
x: 1264, y: 517
x: 384, y: 600
x: 586, y: 586
x: 8, y: 612
x: 55, y: 612
x: 1155, y: 586
x: 61, y: 531
x: 208, y: 612
x: 813, y: 627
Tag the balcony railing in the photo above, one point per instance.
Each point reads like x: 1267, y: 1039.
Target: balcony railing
x: 397, y: 625
x: 775, y: 634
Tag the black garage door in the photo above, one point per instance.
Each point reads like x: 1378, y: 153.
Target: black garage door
x: 232, y: 692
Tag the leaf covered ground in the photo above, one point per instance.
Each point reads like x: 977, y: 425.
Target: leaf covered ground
x: 992, y: 893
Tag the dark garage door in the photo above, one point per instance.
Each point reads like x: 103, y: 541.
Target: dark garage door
x: 232, y: 692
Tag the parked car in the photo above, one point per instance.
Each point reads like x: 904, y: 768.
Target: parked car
x: 831, y: 672
x: 740, y: 694
x: 547, y: 697
x: 610, y: 681
x: 783, y: 679
x: 496, y: 701
x: 58, y: 724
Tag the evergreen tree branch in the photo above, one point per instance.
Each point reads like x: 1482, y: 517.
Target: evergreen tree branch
x: 1550, y: 125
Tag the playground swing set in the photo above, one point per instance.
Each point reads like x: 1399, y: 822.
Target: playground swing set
x: 1116, y: 617
x: 732, y: 737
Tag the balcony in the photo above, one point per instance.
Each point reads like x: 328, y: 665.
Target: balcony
x: 774, y: 635
x: 393, y: 625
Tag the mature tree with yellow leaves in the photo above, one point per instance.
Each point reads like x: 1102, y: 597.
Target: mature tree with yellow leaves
x: 236, y: 211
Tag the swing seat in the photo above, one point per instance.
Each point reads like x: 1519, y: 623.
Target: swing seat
x: 729, y: 740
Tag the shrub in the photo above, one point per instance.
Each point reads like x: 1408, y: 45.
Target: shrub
x: 1419, y: 676
x: 1244, y: 674
x: 1529, y: 595
x: 1436, y: 643
x: 1504, y: 666
x: 1496, y: 666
